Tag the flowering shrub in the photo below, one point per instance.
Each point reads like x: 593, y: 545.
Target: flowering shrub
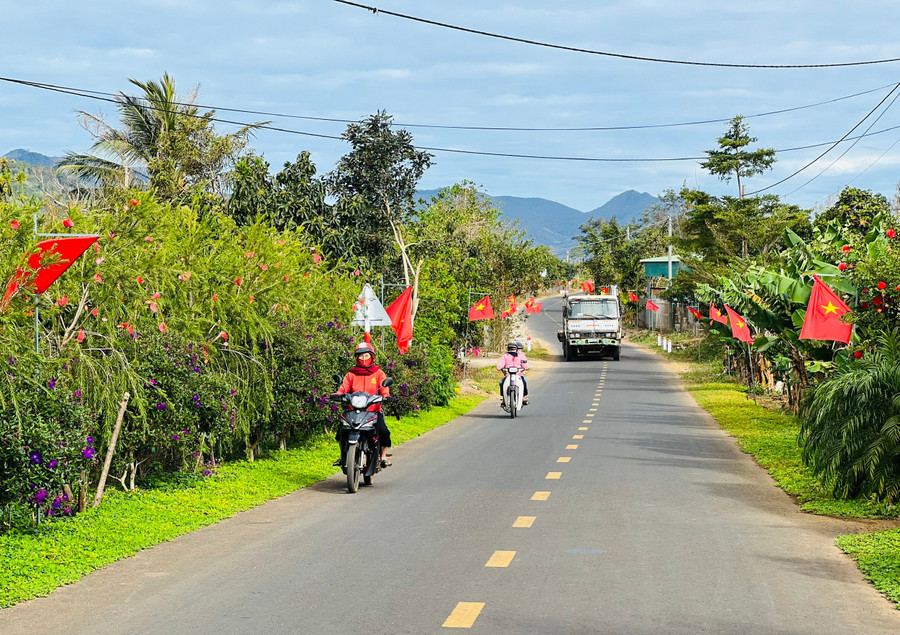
x: 45, y: 443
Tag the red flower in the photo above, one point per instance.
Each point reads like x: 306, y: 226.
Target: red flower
x: 98, y: 277
x: 162, y: 327
x: 881, y: 285
x: 215, y: 297
x: 252, y: 298
x: 14, y: 224
x: 63, y: 301
x: 155, y: 296
x: 858, y: 354
x: 68, y: 223
x: 285, y: 278
x: 80, y: 337
x: 238, y: 281
x: 134, y: 202
x: 842, y: 266
x: 845, y: 248
x: 877, y: 300
x: 224, y: 335
x: 140, y: 280
x: 95, y: 312
x: 890, y: 233
x: 317, y: 258
x: 864, y: 305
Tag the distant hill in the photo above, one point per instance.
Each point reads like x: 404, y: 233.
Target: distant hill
x: 627, y: 206
x: 555, y: 225
x: 34, y: 158
x: 42, y: 177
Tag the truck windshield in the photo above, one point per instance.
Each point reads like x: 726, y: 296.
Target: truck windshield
x: 601, y: 309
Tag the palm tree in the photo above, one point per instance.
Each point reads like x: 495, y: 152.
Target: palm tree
x: 145, y: 147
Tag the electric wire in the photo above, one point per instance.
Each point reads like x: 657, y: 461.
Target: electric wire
x: 104, y: 97
x: 76, y: 91
x: 640, y: 58
x: 834, y: 145
x: 850, y: 147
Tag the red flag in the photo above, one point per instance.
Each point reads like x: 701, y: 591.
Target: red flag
x: 823, y: 315
x: 716, y: 314
x: 482, y: 310
x: 652, y: 306
x: 400, y: 313
x: 504, y: 315
x: 68, y: 250
x: 632, y: 297
x: 604, y: 290
x: 696, y: 313
x: 739, y: 329
x: 534, y: 308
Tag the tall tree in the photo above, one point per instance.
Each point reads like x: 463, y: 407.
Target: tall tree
x: 732, y: 159
x: 376, y: 184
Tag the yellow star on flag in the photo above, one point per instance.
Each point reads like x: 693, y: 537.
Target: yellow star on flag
x: 740, y: 324
x: 830, y: 308
x: 479, y: 307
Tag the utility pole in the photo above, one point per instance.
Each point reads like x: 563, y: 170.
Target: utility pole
x: 670, y: 246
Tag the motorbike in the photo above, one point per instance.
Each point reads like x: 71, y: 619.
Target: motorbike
x: 360, y: 446
x: 512, y: 391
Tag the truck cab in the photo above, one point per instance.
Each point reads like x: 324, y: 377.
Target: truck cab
x: 592, y: 324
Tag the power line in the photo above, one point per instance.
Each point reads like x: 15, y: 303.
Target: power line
x: 834, y: 145
x: 101, y: 96
x: 111, y: 98
x: 850, y: 147
x: 640, y: 58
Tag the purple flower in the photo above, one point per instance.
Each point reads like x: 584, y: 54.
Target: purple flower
x: 52, y: 464
x: 309, y: 337
x: 90, y: 440
x: 331, y: 325
x: 35, y: 458
x: 56, y: 504
x: 67, y: 511
x: 88, y: 453
x: 11, y: 361
x: 152, y: 382
x: 206, y: 472
x: 77, y: 393
x: 40, y: 497
x: 186, y: 431
x: 51, y: 384
x: 160, y: 406
x: 196, y: 397
x: 197, y: 404
x: 233, y: 392
x: 175, y: 436
x: 196, y: 369
x: 351, y: 340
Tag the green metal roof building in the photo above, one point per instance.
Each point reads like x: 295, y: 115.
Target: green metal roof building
x: 659, y: 267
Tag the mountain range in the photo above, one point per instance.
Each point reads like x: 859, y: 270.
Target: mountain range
x: 553, y: 224
x: 544, y: 221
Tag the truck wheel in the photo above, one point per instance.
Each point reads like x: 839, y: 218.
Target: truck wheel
x: 616, y: 353
x: 570, y: 354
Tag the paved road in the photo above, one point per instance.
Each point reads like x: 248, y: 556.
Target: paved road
x: 612, y: 505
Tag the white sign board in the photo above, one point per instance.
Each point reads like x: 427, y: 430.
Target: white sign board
x: 368, y: 309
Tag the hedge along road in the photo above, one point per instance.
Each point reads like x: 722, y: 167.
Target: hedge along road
x: 613, y: 504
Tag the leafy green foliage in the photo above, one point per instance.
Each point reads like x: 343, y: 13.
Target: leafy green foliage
x: 851, y: 425
x: 731, y: 159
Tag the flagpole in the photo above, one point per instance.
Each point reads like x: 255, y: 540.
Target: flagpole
x: 466, y: 339
x: 750, y: 365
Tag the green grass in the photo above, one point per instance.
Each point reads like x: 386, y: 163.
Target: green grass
x: 770, y: 436
x: 34, y: 562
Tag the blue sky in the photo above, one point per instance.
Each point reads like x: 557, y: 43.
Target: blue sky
x: 320, y: 58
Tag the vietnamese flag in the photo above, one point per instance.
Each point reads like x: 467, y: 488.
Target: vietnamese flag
x: 482, y: 310
x: 68, y: 251
x: 695, y: 312
x: 823, y: 315
x: 533, y: 307
x: 739, y: 329
x: 716, y: 314
x: 652, y: 306
x: 400, y: 312
x: 632, y: 297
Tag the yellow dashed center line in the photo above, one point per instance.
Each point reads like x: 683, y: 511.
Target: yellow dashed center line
x: 586, y: 421
x: 572, y: 446
x: 540, y: 496
x: 553, y: 476
x: 593, y: 410
x: 464, y: 615
x: 589, y: 415
x: 577, y: 436
x: 524, y: 521
x: 564, y: 459
x: 583, y: 428
x: 500, y: 559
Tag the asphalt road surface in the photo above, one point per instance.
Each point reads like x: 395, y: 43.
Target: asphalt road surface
x: 612, y: 505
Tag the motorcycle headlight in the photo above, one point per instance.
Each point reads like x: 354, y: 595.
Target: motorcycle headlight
x: 359, y: 401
